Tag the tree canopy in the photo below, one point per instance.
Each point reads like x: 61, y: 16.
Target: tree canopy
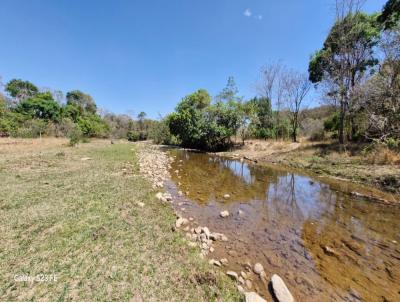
x: 20, y: 89
x: 390, y: 14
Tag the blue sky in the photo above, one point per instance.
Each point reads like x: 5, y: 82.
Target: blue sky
x: 134, y: 56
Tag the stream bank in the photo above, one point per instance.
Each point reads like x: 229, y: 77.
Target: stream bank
x: 326, y: 244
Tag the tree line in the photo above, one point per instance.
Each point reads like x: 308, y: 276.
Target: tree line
x: 26, y: 111
x: 357, y: 72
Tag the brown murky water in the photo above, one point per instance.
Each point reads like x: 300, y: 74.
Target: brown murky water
x: 327, y: 245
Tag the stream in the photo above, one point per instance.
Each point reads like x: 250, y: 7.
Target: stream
x: 327, y: 245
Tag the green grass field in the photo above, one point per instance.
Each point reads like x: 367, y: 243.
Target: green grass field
x: 79, y: 221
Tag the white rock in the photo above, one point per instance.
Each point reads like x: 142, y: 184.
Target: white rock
x: 249, y: 285
x: 280, y: 289
x: 159, y: 196
x: 140, y: 204
x: 197, y: 230
x: 215, y: 262
x: 224, y: 214
x: 233, y: 275
x: 258, y: 268
x: 253, y: 297
x: 224, y: 261
x: 181, y: 221
x: 227, y: 196
x: 206, y: 231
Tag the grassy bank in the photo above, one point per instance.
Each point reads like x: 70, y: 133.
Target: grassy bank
x: 75, y: 214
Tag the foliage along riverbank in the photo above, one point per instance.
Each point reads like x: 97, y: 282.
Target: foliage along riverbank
x: 87, y: 217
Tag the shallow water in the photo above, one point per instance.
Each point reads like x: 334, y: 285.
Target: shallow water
x: 327, y: 245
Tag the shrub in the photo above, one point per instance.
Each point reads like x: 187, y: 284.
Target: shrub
x: 133, y: 136
x: 75, y: 135
x: 265, y: 133
x: 317, y: 136
x: 160, y: 133
x: 393, y: 144
x: 93, y: 126
x: 31, y: 129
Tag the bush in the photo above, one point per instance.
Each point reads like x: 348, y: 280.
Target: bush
x: 332, y: 122
x: 31, y: 129
x: 133, y: 136
x: 75, y: 135
x: 393, y: 144
x: 265, y: 133
x: 160, y: 133
x: 93, y: 126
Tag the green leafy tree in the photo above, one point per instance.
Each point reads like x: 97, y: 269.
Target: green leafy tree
x: 20, y: 89
x: 390, y: 15
x: 83, y: 101
x: 92, y: 125
x: 40, y: 106
x: 229, y: 93
x: 346, y: 56
x: 141, y: 118
x: 198, y: 124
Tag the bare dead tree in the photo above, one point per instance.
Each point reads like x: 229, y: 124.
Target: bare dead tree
x: 296, y: 88
x: 269, y: 78
x: 272, y: 86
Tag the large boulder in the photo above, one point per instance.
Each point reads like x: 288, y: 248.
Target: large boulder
x: 280, y: 289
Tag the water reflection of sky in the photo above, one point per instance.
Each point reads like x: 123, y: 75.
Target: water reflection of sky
x: 240, y: 169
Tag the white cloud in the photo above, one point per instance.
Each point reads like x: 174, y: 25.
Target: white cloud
x: 259, y: 17
x: 247, y: 12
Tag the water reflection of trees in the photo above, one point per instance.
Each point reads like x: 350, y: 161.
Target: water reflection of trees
x: 209, y: 178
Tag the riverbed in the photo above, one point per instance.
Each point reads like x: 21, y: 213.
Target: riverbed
x: 327, y: 244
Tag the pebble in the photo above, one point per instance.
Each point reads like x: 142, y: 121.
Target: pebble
x: 227, y: 196
x: 258, y: 268
x: 233, y: 275
x: 249, y: 285
x: 224, y: 214
x: 253, y: 297
x: 181, y: 221
x: 215, y: 262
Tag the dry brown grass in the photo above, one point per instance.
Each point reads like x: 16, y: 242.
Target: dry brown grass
x: 382, y: 155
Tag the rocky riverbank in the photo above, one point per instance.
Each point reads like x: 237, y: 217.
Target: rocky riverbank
x: 155, y: 164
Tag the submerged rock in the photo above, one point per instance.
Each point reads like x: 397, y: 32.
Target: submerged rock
x: 224, y: 214
x: 253, y: 297
x: 280, y: 289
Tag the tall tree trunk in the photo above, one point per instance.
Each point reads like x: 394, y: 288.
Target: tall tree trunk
x: 341, y: 123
